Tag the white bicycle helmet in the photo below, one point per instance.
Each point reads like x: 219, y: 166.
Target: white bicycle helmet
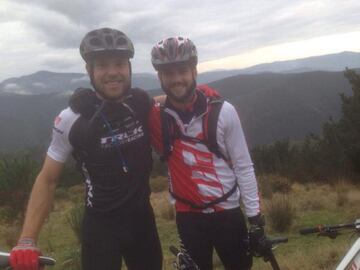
x: 173, y: 50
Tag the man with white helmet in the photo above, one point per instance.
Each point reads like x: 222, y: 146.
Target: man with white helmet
x: 107, y: 133
x: 210, y: 169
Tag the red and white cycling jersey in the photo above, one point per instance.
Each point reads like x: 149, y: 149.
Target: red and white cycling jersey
x: 198, y: 175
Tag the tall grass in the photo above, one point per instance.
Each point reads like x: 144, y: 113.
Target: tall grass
x: 313, y: 203
x: 280, y: 213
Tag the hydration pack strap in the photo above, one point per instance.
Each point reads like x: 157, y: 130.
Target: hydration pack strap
x: 170, y: 130
x: 205, y: 205
x: 210, y: 127
x: 167, y: 140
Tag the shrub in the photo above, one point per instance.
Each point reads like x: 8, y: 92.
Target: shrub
x: 12, y: 234
x: 280, y: 184
x: 17, y: 174
x: 62, y: 193
x: 158, y: 184
x: 167, y: 211
x: 265, y: 187
x: 71, y: 176
x: 74, y: 219
x: 72, y: 259
x: 342, y: 190
x: 280, y: 213
x: 7, y: 214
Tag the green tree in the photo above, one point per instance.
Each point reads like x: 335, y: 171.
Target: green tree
x: 341, y: 139
x: 17, y: 174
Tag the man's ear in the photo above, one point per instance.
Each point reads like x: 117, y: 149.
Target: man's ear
x: 159, y: 75
x: 195, y: 73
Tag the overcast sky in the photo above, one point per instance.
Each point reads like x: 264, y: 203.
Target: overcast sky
x: 45, y: 34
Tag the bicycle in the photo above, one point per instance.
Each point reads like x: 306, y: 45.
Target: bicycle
x: 5, y: 260
x: 184, y: 261
x: 351, y: 260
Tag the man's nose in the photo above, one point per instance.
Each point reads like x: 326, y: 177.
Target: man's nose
x: 113, y: 70
x: 176, y: 77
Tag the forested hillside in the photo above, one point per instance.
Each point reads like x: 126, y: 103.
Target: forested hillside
x: 271, y: 106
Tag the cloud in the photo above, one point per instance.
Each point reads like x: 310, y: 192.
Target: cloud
x: 39, y: 85
x: 58, y: 60
x: 51, y: 30
x: 14, y: 88
x: 85, y: 78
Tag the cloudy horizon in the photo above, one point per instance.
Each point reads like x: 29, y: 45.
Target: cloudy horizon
x: 45, y: 34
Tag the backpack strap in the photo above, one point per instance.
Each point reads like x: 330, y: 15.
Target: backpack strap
x: 84, y: 102
x: 205, y: 205
x: 210, y: 124
x: 167, y: 134
x: 170, y: 131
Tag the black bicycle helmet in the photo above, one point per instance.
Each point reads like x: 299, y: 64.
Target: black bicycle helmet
x: 173, y: 50
x: 105, y: 40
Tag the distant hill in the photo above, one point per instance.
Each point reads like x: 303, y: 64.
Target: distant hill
x: 45, y: 82
x: 26, y: 120
x: 271, y: 106
x: 278, y: 106
x: 330, y: 62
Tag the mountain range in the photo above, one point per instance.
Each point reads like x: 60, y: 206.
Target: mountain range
x: 271, y: 106
x: 45, y: 82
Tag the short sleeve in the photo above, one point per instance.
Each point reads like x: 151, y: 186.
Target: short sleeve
x: 60, y: 147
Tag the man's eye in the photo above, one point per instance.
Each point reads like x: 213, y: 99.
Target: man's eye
x: 167, y: 73
x: 100, y: 65
x: 121, y: 64
x: 183, y: 70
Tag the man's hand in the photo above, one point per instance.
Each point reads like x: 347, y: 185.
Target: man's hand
x: 160, y: 99
x: 25, y: 256
x: 257, y: 238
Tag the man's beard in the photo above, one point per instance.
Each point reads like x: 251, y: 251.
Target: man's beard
x: 127, y: 86
x: 184, y: 98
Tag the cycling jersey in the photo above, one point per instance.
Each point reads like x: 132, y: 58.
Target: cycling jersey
x: 116, y: 137
x: 197, y: 174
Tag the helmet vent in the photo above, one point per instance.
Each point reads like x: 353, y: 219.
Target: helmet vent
x: 109, y: 40
x: 95, y: 41
x: 121, y: 41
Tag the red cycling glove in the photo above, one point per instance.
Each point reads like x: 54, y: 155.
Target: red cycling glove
x: 25, y: 256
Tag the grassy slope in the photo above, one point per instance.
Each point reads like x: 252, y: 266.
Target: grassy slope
x: 314, y: 204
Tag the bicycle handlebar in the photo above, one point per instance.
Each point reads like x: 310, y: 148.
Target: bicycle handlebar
x: 309, y: 230
x: 277, y: 240
x: 330, y: 229
x: 4, y: 260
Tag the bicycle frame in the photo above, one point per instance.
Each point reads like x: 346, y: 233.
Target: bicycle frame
x: 184, y: 261
x: 351, y: 261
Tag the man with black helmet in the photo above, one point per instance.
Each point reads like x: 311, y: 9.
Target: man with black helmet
x: 210, y: 169
x: 108, y: 136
